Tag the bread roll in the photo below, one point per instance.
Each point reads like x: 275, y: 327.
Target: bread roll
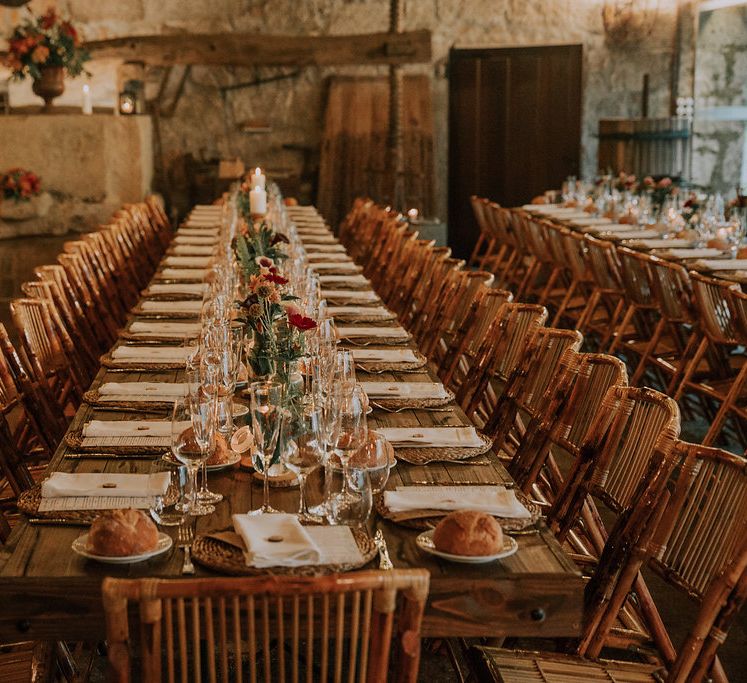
x: 467, y: 532
x: 221, y: 453
x: 117, y: 533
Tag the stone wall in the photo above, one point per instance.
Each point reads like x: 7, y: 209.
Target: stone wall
x: 205, y: 126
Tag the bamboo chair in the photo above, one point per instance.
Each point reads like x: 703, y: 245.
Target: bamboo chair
x: 423, y: 280
x: 580, y: 283
x: 341, y: 624
x: 508, y: 257
x: 417, y: 261
x: 47, y: 351
x: 429, y: 302
x: 497, y: 357
x: 485, y: 240
x: 390, y: 270
x: 526, y: 389
x: 544, y: 273
x: 719, y: 333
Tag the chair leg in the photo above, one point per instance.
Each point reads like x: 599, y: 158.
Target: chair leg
x: 648, y: 352
x: 619, y: 332
x: 726, y: 406
x: 564, y: 303
x: 690, y: 369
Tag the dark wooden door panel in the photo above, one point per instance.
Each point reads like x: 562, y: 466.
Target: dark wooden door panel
x: 514, y: 127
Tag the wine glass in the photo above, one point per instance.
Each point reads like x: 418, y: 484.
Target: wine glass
x: 352, y: 434
x: 303, y: 454
x: 351, y: 498
x: 267, y: 417
x: 188, y: 449
x: 209, y: 393
x: 170, y: 508
x: 344, y: 368
x: 374, y: 458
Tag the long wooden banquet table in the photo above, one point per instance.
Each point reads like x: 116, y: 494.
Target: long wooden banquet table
x: 49, y: 593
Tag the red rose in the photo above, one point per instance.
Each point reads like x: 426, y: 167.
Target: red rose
x: 69, y: 30
x: 301, y: 322
x: 276, y: 279
x: 48, y: 20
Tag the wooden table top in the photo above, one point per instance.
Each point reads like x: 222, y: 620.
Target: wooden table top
x: 48, y: 592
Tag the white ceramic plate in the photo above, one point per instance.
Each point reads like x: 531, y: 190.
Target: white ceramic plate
x: 425, y: 543
x: 239, y: 409
x: 232, y: 460
x: 80, y: 546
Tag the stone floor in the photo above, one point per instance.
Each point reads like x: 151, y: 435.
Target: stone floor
x: 18, y: 258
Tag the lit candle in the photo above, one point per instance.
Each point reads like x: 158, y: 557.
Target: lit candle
x: 258, y: 201
x: 87, y: 104
x: 258, y: 178
x: 412, y: 214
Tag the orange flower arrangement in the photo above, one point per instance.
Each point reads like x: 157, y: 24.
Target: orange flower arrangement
x: 19, y: 184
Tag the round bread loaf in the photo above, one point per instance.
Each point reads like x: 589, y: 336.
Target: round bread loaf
x: 467, y: 532
x: 221, y: 453
x: 117, y: 533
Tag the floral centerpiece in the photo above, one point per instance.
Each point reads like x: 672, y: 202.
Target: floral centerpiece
x: 659, y: 191
x: 44, y: 48
x: 19, y: 185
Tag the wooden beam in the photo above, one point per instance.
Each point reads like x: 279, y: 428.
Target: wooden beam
x: 244, y: 49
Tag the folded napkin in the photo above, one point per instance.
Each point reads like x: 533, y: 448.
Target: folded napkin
x: 186, y: 288
x: 202, y: 222
x: 155, y: 329
x: 118, y: 428
x: 194, y: 239
x: 167, y: 307
x: 143, y: 391
x: 723, y: 264
x: 494, y: 500
x: 415, y: 390
x: 634, y: 234
x: 373, y: 311
x: 319, y: 239
x: 331, y: 265
x: 192, y: 250
x: 184, y: 273
x: 187, y: 261
x: 542, y: 208
x: 365, y: 331
x: 660, y: 244
x: 199, y: 232
x: 353, y: 295
x: 294, y: 550
x: 611, y: 227
x: 384, y: 356
x: 325, y: 249
x: 705, y: 252
x: 343, y: 280
x: 438, y: 437
x: 62, y: 484
x: 594, y: 220
x: 329, y: 258
x: 153, y: 354
x: 567, y: 215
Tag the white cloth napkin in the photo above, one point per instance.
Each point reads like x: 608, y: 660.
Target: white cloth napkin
x: 365, y: 331
x: 331, y: 265
x: 416, y: 390
x: 117, y: 428
x: 187, y: 261
x: 357, y: 280
x: 153, y: 354
x: 194, y: 239
x: 318, y: 239
x: 660, y: 244
x: 178, y: 288
x: 167, y: 307
x: 611, y: 227
x: 184, y: 273
x: 542, y: 208
x: 203, y: 221
x: 329, y: 258
x: 193, y: 250
x: 438, y: 437
x: 705, y: 252
x: 352, y: 295
x: 384, y: 356
x: 156, y: 329
x: 294, y: 550
x: 373, y: 311
x: 325, y: 249
x: 493, y: 500
x: 143, y: 391
x: 724, y: 264
x: 568, y: 215
x: 635, y: 234
x: 62, y: 484
x: 201, y: 232
x: 594, y: 220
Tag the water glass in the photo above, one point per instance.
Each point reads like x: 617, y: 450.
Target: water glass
x: 267, y: 416
x: 348, y: 496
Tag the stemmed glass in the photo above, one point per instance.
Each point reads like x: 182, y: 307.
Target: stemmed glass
x: 192, y: 430
x: 374, y: 458
x: 345, y: 368
x: 267, y: 417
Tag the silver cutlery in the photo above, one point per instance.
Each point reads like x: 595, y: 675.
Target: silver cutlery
x: 385, y: 561
x: 56, y: 521
x: 363, y: 368
x: 447, y: 409
x: 184, y: 542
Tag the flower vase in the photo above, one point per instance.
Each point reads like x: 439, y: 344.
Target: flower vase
x: 49, y: 85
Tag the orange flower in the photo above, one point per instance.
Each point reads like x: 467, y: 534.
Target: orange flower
x: 40, y: 54
x: 13, y: 63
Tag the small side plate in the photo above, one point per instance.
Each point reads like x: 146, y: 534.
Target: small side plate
x: 232, y: 460
x: 80, y: 547
x: 425, y: 542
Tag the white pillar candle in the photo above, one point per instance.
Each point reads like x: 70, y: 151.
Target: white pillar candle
x: 258, y: 201
x: 258, y: 178
x: 87, y: 104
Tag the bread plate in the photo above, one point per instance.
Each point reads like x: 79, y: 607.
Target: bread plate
x: 80, y: 547
x: 424, y: 541
x: 232, y: 460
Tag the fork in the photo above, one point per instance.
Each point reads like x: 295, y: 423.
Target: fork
x: 400, y: 410
x: 385, y: 561
x: 363, y: 368
x: 184, y: 541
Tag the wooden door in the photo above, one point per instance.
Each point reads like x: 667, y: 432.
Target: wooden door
x: 514, y: 128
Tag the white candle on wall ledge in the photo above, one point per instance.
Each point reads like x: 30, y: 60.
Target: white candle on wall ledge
x: 87, y: 103
x: 258, y: 178
x: 258, y: 201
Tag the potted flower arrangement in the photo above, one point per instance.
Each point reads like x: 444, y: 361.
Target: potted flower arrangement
x: 44, y: 48
x: 21, y: 196
x: 659, y: 191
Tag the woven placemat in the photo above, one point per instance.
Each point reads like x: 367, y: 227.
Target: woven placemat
x: 228, y: 558
x: 338, y: 271
x: 428, y: 519
x: 414, y: 403
x: 74, y: 440
x: 373, y: 366
x: 110, y: 364
x: 93, y: 398
x: 152, y: 315
x: 174, y: 296
x: 364, y: 318
x: 132, y: 338
x: 380, y: 341
x: 423, y: 456
x: 176, y: 280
